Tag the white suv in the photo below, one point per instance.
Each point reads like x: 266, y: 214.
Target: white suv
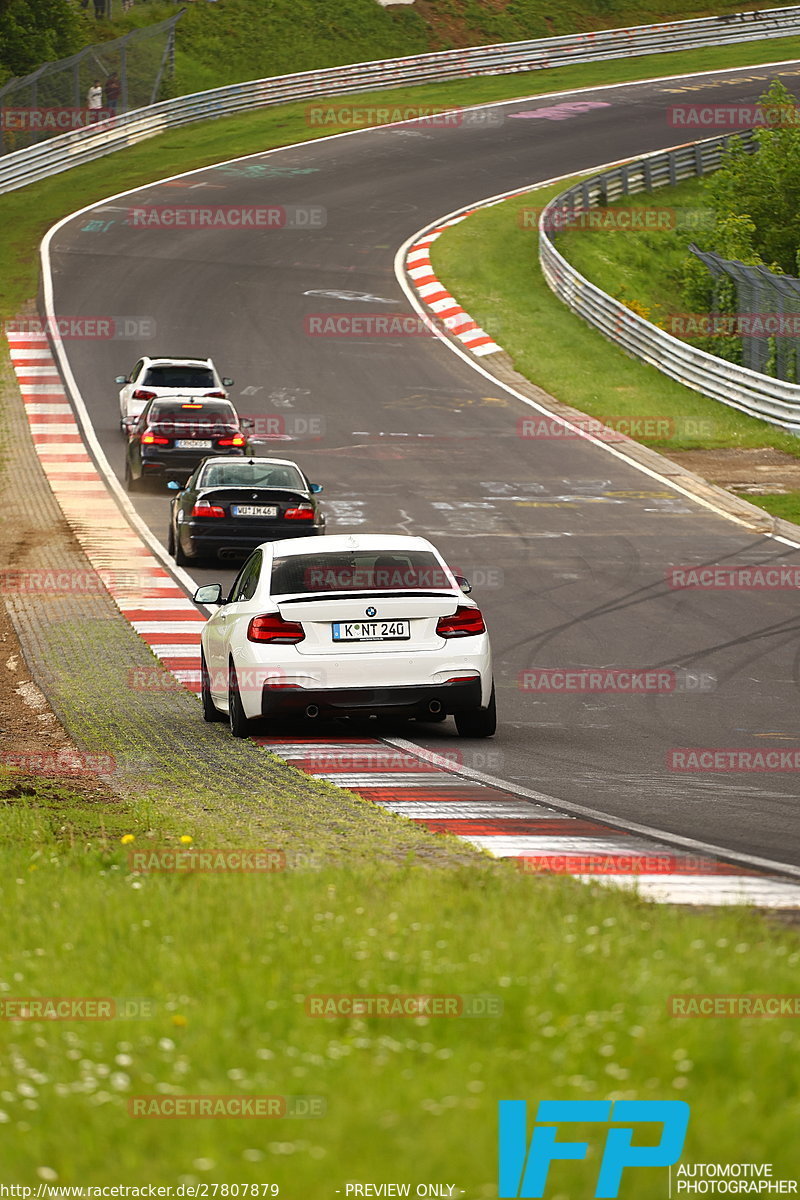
x: 153, y: 377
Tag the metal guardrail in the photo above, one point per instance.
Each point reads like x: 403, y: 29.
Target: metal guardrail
x: 57, y: 91
x: 739, y: 387
x: 68, y: 150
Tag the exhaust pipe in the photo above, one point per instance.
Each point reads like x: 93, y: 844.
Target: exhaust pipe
x: 434, y: 707
x: 312, y: 711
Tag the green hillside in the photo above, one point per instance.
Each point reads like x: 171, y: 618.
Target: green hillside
x: 234, y: 40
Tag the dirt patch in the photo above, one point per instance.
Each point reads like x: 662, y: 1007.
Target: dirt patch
x: 746, y: 472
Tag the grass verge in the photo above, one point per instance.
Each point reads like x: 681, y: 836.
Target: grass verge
x: 582, y: 976
x: 490, y: 264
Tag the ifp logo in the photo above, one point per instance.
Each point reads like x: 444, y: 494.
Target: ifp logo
x: 523, y: 1170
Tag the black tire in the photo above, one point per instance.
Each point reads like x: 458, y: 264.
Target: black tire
x: 171, y: 541
x: 131, y: 484
x: 479, y: 722
x: 239, y: 724
x: 180, y: 558
x: 210, y: 710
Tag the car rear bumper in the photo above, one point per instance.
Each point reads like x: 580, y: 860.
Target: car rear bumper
x: 401, y: 701
x: 183, y: 462
x: 211, y: 542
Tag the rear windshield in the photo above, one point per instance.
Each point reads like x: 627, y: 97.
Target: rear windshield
x: 180, y: 377
x: 209, y: 412
x: 358, y: 571
x: 251, y: 475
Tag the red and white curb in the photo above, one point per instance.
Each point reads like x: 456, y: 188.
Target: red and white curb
x: 446, y: 310
x: 143, y: 590
x: 539, y: 838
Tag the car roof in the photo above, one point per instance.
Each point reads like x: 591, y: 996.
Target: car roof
x: 346, y: 541
x: 175, y: 397
x: 239, y: 459
x: 168, y: 359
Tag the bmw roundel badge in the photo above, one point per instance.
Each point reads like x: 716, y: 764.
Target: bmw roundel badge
x: 371, y: 612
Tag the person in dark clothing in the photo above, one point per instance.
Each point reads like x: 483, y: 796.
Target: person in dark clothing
x: 112, y: 92
x: 99, y: 8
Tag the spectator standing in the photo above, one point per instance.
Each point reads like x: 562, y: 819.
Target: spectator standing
x: 94, y: 101
x: 99, y: 9
x: 112, y: 92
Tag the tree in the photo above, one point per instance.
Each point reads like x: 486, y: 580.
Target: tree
x: 762, y: 188
x: 33, y: 32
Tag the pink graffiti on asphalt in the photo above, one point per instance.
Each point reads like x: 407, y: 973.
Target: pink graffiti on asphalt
x: 561, y: 112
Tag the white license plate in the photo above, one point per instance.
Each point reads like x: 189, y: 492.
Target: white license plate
x: 371, y: 631
x: 254, y: 510
x: 193, y: 444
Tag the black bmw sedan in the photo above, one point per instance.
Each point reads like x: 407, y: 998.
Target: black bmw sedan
x: 231, y: 505
x: 174, y: 434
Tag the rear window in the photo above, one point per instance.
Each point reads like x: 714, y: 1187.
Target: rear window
x: 207, y: 412
x: 180, y: 377
x: 251, y: 475
x: 359, y: 571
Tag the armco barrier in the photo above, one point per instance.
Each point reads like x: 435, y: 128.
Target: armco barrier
x: 67, y: 150
x: 757, y: 395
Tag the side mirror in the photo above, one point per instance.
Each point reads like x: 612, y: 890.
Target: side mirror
x: 128, y: 424
x: 120, y: 379
x: 210, y: 593
x: 247, y: 422
x: 316, y: 488
x: 174, y: 485
x: 464, y: 584
x: 227, y: 383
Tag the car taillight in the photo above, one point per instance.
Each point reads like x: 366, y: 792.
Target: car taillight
x: 463, y: 623
x: 273, y: 628
x: 141, y: 394
x: 208, y: 510
x: 154, y: 439
x: 217, y: 395
x: 303, y: 512
x: 236, y: 440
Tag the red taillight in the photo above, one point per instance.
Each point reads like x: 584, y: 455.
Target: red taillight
x: 273, y: 628
x: 153, y: 439
x: 141, y: 394
x: 303, y: 512
x: 208, y: 510
x: 217, y: 395
x: 463, y: 623
x: 236, y: 440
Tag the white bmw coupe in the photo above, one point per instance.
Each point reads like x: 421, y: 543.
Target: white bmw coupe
x: 360, y: 625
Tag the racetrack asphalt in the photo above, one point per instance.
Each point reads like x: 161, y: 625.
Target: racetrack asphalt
x: 568, y: 547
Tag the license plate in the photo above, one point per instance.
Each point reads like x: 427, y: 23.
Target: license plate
x: 193, y: 444
x: 371, y: 631
x: 254, y: 510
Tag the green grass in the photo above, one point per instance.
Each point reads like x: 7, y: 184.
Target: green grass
x: 785, y: 505
x: 224, y: 962
x: 220, y: 967
x: 236, y: 40
x: 489, y: 263
x: 26, y: 215
x: 644, y: 269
